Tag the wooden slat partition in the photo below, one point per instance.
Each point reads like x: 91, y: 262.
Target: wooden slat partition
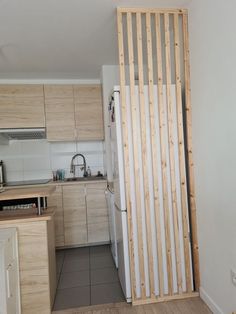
x: 125, y: 145
x: 135, y: 148
x: 153, y: 80
x: 188, y: 110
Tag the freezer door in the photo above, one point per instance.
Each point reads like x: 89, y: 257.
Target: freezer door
x: 112, y: 225
x: 119, y: 177
x: 123, y: 252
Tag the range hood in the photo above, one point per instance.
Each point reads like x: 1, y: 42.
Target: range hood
x: 23, y: 134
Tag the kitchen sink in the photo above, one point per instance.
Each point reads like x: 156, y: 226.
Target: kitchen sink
x: 92, y: 178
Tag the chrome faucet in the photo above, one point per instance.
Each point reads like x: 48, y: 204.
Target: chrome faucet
x: 82, y: 166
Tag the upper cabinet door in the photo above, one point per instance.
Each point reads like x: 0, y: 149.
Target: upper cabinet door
x: 21, y: 106
x: 88, y: 112
x: 60, y: 112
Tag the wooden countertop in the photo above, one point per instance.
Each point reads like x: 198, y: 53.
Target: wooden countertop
x: 26, y: 192
x: 56, y: 183
x: 25, y: 215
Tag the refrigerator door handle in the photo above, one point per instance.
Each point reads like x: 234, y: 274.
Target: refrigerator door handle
x: 120, y: 210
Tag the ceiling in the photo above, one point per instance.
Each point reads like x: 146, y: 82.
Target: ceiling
x: 67, y: 39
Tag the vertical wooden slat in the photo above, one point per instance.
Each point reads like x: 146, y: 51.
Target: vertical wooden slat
x: 151, y: 106
x: 171, y: 149
x: 135, y: 150
x: 163, y: 150
x: 181, y: 152
x: 154, y: 152
x: 190, y: 163
x: 142, y: 107
x: 126, y: 150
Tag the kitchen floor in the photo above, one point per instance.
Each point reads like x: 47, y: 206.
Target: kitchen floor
x: 86, y: 276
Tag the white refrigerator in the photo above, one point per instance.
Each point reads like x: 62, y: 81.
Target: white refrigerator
x: 118, y: 183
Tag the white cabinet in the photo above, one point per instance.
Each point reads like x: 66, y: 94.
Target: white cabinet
x: 9, y: 272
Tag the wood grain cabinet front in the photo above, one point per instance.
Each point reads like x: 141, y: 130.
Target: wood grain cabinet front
x: 75, y: 216
x: 60, y: 112
x: 88, y: 112
x: 22, y: 106
x: 98, y: 228
x: 55, y: 200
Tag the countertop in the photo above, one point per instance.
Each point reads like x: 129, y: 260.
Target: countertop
x: 55, y: 183
x: 26, y: 192
x: 25, y: 215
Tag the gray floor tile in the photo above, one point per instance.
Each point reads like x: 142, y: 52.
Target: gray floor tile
x: 80, y: 252
x: 71, y: 298
x: 101, y: 261
x: 59, y: 263
x: 106, y: 293
x: 100, y: 250
x: 103, y: 275
x: 74, y: 279
x: 75, y: 264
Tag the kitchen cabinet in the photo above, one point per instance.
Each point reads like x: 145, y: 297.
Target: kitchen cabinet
x: 60, y: 112
x: 81, y: 216
x: 22, y: 106
x: 75, y: 216
x: 97, y: 215
x: 88, y: 112
x: 56, y: 200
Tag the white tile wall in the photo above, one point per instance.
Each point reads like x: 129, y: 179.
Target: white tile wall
x: 35, y: 159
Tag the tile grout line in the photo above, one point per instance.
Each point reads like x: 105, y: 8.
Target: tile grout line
x: 59, y: 279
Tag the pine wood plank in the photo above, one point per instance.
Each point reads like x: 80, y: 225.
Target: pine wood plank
x: 191, y: 185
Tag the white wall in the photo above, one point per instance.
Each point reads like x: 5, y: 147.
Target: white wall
x: 213, y: 63
x: 35, y: 159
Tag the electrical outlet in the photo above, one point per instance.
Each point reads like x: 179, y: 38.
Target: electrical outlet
x: 233, y: 276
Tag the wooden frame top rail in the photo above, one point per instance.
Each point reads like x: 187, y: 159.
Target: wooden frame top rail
x: 152, y: 10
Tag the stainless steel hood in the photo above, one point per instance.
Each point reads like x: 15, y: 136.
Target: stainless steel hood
x: 23, y: 134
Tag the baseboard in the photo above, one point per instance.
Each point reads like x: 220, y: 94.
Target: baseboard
x: 211, y: 304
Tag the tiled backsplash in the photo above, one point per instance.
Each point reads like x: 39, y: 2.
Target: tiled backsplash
x: 35, y: 159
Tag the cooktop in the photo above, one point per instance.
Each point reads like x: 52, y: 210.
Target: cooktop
x: 27, y: 182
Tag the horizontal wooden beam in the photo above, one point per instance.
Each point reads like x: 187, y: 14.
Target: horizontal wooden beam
x: 152, y: 10
x: 166, y: 298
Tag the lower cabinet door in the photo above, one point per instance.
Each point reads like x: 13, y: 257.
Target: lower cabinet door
x: 55, y: 200
x: 98, y: 232
x: 97, y: 213
x: 75, y: 217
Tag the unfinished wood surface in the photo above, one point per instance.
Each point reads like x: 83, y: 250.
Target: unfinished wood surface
x: 188, y: 306
x: 190, y: 164
x: 55, y: 201
x: 153, y: 150
x: 34, y: 266
x: 154, y: 156
x: 126, y: 151
x: 135, y: 139
x: 142, y: 121
x: 181, y: 151
x: 60, y: 112
x: 163, y: 126
x: 170, y: 118
x: 151, y: 10
x: 88, y: 112
x: 75, y: 218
